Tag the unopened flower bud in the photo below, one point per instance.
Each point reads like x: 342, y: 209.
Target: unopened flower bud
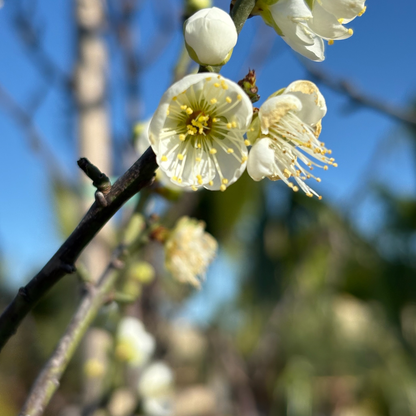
x: 210, y: 36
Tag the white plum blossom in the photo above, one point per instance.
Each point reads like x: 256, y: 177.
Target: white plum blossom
x: 197, y: 132
x: 290, y: 124
x: 189, y: 250
x: 304, y: 24
x: 210, y: 36
x: 134, y: 344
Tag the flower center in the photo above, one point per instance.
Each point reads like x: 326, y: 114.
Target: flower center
x: 199, y: 124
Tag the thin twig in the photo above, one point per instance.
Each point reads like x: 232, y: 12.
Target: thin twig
x: 62, y: 263
x: 49, y: 379
x: 345, y: 87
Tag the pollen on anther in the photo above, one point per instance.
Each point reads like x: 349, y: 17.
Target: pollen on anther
x: 189, y: 111
x: 229, y: 125
x: 184, y: 107
x: 217, y: 85
x: 234, y: 124
x: 163, y: 158
x: 295, y: 189
x: 341, y: 20
x: 198, y: 159
x: 239, y: 97
x: 174, y: 98
x: 330, y: 42
x: 180, y: 156
x: 224, y: 181
x: 350, y: 31
x: 325, y: 167
x: 247, y: 142
x: 229, y: 100
x: 224, y: 85
x: 182, y: 137
x: 229, y: 150
x: 335, y: 165
x: 210, y: 183
x: 244, y: 159
x: 179, y: 180
x: 174, y: 178
x: 223, y: 188
x: 214, y: 120
x: 213, y: 151
x: 194, y: 188
x: 213, y: 100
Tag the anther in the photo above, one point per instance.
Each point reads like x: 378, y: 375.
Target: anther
x: 180, y: 156
x: 189, y: 111
x: 213, y: 101
x: 229, y: 150
x: 330, y: 42
x: 247, y: 142
x: 228, y: 99
x: 239, y: 97
x: 182, y: 137
x: 213, y: 151
x: 223, y: 188
x: 210, y: 183
x: 163, y: 158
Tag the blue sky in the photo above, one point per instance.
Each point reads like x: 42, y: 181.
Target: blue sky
x: 380, y: 60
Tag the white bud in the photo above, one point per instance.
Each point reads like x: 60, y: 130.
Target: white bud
x: 210, y: 36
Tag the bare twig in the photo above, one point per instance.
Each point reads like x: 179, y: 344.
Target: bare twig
x: 62, y: 263
x: 345, y: 87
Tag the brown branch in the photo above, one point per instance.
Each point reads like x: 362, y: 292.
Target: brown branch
x: 345, y: 87
x: 62, y: 263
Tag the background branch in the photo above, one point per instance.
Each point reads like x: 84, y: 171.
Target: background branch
x: 48, y: 380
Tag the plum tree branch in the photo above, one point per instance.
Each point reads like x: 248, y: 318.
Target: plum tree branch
x: 136, y: 178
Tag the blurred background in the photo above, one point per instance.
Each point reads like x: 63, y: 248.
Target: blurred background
x: 309, y: 307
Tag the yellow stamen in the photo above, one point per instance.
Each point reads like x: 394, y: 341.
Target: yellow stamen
x: 213, y: 151
x: 330, y: 42
x: 213, y: 101
x: 229, y: 150
x: 163, y: 158
x: 247, y: 142
x: 223, y: 188
x: 229, y: 100
x: 180, y: 156
x: 182, y: 137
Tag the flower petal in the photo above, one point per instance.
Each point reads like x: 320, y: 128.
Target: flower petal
x: 261, y: 160
x: 344, y: 9
x: 313, y: 107
x: 326, y: 25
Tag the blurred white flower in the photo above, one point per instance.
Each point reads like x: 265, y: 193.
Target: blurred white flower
x: 304, y: 24
x: 210, y: 36
x: 290, y: 125
x: 134, y: 344
x: 156, y: 389
x: 197, y: 132
x: 189, y: 250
